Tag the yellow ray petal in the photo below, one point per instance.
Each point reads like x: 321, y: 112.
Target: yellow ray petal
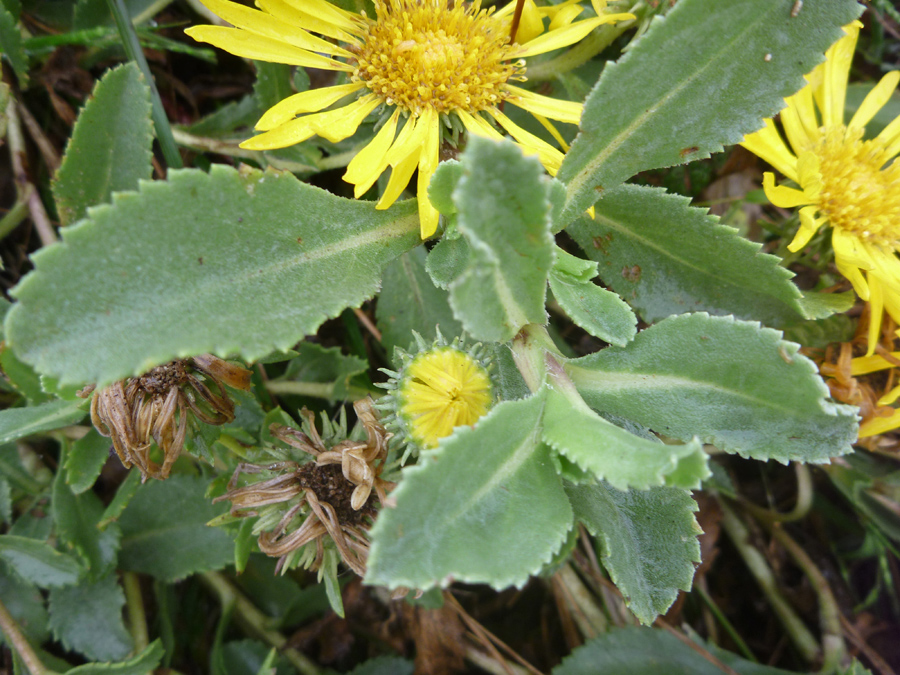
x: 890, y: 397
x: 428, y: 163
x: 530, y: 23
x: 336, y: 125
x: 291, y: 15
x: 779, y: 195
x: 568, y: 35
x: 289, y: 133
x: 809, y: 225
x: 252, y: 46
x: 400, y: 175
x: 564, y: 15
x: 564, y: 111
x: 876, y: 313
x: 269, y: 26
x: 768, y: 145
x: 369, y: 163
x: 875, y: 100
x: 890, y: 137
x: 313, y: 100
x: 348, y: 21
x: 798, y: 135
x: 880, y: 425
x: 551, y: 128
x: 549, y: 156
x: 863, y: 365
x: 837, y: 69
x: 476, y: 124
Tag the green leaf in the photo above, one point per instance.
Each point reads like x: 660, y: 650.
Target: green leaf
x: 6, y: 512
x: 600, y: 312
x: 696, y: 81
x: 447, y: 261
x: 613, y: 454
x: 502, y: 199
x: 20, y: 422
x: 164, y: 530
x: 87, y: 618
x: 11, y: 46
x: 409, y: 301
x: 821, y: 333
x: 822, y: 305
x: 273, y: 83
x: 124, y: 494
x: 732, y: 383
x: 141, y: 664
x: 665, y: 257
x: 24, y: 602
x: 111, y: 145
x: 326, y: 367
x: 77, y: 517
x: 85, y: 460
x: 646, y: 651
x: 37, y: 562
x: 22, y: 377
x: 253, y: 250
x: 648, y: 538
x: 459, y: 512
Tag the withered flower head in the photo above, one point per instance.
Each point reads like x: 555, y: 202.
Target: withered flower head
x: 312, y: 502
x: 158, y: 405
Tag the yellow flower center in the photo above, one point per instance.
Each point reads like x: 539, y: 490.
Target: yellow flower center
x: 443, y: 388
x: 421, y: 53
x: 858, y: 193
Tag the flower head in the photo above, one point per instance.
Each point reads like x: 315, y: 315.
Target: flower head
x: 159, y: 406
x: 844, y: 182
x: 441, y: 387
x: 307, y: 508
x: 432, y: 65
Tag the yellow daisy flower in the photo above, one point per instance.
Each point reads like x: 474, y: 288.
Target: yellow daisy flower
x: 439, y: 65
x: 443, y: 388
x: 878, y: 424
x: 843, y: 181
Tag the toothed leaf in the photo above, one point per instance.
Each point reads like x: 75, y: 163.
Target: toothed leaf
x: 731, y: 383
x: 252, y: 263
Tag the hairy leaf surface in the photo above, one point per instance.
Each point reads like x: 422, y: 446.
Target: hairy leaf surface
x: 164, y: 531
x: 38, y: 562
x: 732, y: 383
x: 459, y: 511
x: 665, y: 257
x: 253, y: 262
x: 20, y: 422
x: 111, y: 145
x: 727, y: 66
x: 649, y: 541
x: 503, y: 207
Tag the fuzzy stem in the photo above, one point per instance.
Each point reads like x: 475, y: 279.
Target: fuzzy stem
x: 254, y: 621
x: 20, y: 643
x: 134, y: 604
x: 796, y: 630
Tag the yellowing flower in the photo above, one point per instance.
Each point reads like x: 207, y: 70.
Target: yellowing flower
x: 439, y: 65
x: 843, y: 181
x: 878, y: 423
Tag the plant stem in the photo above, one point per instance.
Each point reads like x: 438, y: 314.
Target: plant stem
x: 20, y: 643
x: 801, y: 508
x: 797, y: 631
x: 137, y: 617
x: 135, y: 53
x: 726, y: 624
x: 313, y: 389
x: 833, y: 647
x: 254, y: 621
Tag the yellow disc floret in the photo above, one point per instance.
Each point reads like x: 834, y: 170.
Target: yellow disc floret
x: 442, y: 388
x: 430, y: 54
x: 859, y: 193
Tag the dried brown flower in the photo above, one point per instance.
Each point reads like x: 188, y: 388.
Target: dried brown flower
x: 334, y: 494
x: 158, y: 405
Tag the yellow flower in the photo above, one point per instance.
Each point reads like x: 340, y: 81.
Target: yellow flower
x: 844, y: 181
x: 442, y: 389
x: 879, y: 423
x: 438, y: 66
